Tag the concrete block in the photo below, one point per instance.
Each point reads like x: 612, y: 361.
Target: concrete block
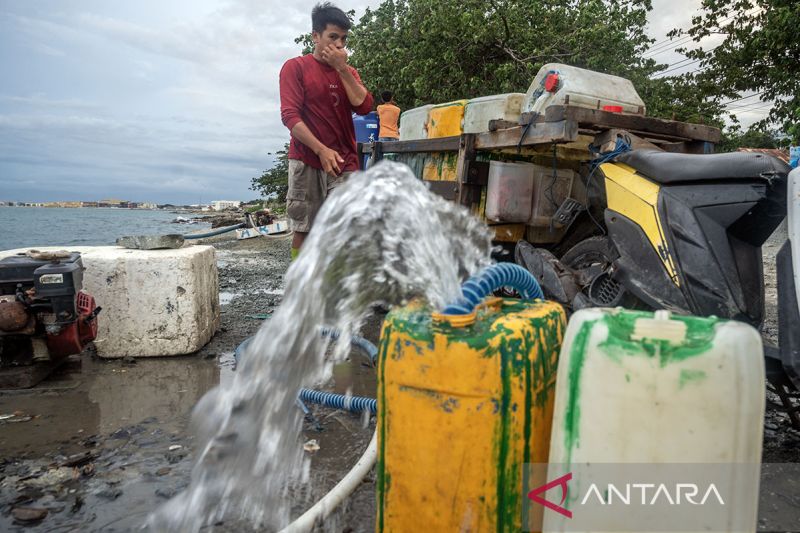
x: 155, y: 302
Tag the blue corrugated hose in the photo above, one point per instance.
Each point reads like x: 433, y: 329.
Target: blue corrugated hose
x: 478, y: 287
x: 355, y: 404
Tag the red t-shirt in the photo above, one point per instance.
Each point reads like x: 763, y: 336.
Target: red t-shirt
x: 312, y: 92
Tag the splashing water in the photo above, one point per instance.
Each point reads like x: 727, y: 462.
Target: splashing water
x: 381, y: 237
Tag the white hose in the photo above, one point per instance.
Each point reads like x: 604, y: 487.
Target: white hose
x: 323, y: 508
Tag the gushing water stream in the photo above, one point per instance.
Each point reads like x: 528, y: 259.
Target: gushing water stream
x: 381, y: 237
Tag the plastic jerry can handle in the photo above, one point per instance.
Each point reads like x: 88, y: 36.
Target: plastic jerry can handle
x: 660, y: 327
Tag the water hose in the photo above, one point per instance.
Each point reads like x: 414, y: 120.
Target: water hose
x: 354, y: 404
x: 475, y: 289
x: 218, y: 231
x: 349, y: 483
x: 359, y: 342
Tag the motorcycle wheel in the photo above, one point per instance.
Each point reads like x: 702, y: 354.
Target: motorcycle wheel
x: 591, y: 259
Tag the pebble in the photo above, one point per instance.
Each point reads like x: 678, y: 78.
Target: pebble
x: 28, y: 514
x: 166, y: 492
x: 110, y: 493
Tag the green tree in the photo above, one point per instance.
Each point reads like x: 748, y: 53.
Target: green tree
x: 683, y: 98
x: 760, y: 53
x: 274, y: 183
x: 431, y: 51
x: 754, y: 137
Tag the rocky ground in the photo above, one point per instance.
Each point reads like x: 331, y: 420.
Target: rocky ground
x: 98, y: 449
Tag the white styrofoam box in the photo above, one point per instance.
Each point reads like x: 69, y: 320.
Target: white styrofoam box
x: 481, y: 110
x: 155, y: 302
x: 413, y: 123
x: 582, y: 88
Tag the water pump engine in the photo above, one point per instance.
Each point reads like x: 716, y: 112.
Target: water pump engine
x: 45, y: 315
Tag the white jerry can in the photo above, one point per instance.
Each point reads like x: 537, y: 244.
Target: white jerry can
x: 659, y: 391
x: 559, y: 84
x: 414, y: 123
x: 480, y: 111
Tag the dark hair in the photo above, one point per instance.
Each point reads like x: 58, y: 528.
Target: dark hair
x: 386, y: 96
x: 326, y: 13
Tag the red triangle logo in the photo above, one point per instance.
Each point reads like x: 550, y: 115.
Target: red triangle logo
x: 562, y: 482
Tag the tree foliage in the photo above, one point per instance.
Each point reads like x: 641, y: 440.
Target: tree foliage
x: 760, y: 53
x: 434, y: 51
x: 431, y: 51
x: 274, y: 182
x: 754, y: 137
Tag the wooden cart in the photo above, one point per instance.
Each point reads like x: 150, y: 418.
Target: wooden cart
x: 569, y: 130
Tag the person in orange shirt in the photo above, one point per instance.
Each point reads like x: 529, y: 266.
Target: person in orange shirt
x: 388, y: 115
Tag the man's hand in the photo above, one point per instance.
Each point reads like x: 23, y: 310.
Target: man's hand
x: 335, y: 57
x: 330, y: 160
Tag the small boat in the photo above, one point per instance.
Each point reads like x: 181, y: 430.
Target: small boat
x: 276, y: 228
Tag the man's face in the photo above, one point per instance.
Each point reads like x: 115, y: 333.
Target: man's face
x: 331, y: 35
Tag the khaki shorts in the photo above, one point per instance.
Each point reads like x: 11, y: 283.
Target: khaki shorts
x: 308, y: 188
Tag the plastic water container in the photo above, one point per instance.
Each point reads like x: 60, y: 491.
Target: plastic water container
x: 440, y: 166
x: 463, y: 404
x: 446, y: 120
x: 414, y: 123
x: 639, y: 387
x: 366, y: 127
x: 550, y: 189
x: 480, y: 111
x: 559, y: 84
x: 509, y: 192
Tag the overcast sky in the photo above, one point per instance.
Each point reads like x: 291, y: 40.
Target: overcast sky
x: 162, y: 101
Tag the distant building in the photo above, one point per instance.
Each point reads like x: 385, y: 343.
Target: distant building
x: 221, y: 205
x: 89, y: 204
x: 147, y: 205
x: 113, y: 203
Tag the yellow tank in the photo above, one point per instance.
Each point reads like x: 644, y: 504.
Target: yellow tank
x: 446, y: 120
x: 463, y: 404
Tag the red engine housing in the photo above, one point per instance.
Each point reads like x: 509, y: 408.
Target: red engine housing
x: 74, y: 337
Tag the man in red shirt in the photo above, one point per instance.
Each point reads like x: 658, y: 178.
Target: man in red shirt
x: 319, y: 92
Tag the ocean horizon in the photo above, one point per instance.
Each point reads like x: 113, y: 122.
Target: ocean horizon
x: 30, y: 227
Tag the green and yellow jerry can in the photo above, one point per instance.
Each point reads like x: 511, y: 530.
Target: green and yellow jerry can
x: 464, y: 402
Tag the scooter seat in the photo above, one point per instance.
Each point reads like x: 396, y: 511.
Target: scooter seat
x: 669, y: 168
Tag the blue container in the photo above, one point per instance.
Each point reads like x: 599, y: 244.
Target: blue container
x: 366, y: 131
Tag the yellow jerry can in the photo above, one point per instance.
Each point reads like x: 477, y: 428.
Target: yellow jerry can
x: 440, y: 166
x: 446, y: 120
x: 464, y: 402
